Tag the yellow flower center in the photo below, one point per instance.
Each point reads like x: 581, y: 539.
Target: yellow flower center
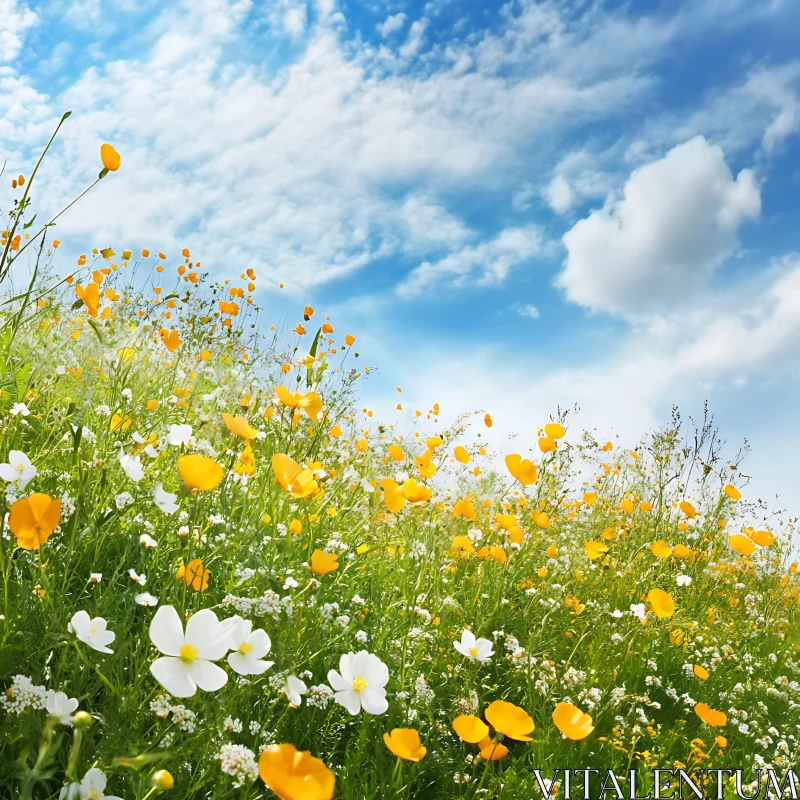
x: 189, y: 652
x: 245, y: 648
x: 473, y: 651
x: 359, y: 684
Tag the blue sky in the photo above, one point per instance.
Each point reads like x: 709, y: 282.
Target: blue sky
x: 513, y: 206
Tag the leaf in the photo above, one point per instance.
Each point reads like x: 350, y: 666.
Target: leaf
x: 313, y: 352
x: 29, y: 223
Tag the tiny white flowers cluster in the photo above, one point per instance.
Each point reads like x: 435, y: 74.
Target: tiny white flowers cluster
x: 23, y: 695
x: 239, y: 762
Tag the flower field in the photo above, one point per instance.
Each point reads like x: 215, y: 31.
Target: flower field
x: 222, y: 576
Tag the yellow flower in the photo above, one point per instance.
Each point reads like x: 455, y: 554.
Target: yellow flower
x: 416, y: 492
x: 681, y: 551
x: 572, y: 722
x: 194, y: 574
x: 510, y: 720
x: 239, y: 426
x: 33, y: 519
x: 554, y: 430
x: 464, y: 508
x: 700, y: 672
x: 405, y: 744
x: 688, y: 509
x: 761, y: 538
x: 396, y: 452
x: 595, y: 549
x: 295, y: 775
x: 461, y: 455
x: 322, y: 563
x: 110, y: 157
x: 716, y: 719
x: 547, y: 445
x: 661, y: 549
x: 470, y: 729
x: 463, y: 545
x: 742, y: 545
x: 392, y: 496
x: 524, y: 470
x: 297, y: 481
x: 662, y: 603
x: 732, y: 492
x: 246, y: 462
x: 200, y: 472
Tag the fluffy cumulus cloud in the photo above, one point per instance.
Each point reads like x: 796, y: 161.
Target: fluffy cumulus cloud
x: 15, y: 19
x: 674, y: 224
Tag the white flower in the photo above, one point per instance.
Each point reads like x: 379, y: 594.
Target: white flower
x: 147, y: 541
x: 19, y: 470
x: 60, y: 706
x: 19, y: 408
x: 294, y: 688
x: 92, y: 631
x: 179, y: 434
x: 617, y: 614
x: 92, y: 787
x: 140, y: 579
x: 637, y: 609
x: 165, y: 500
x: 96, y: 577
x: 131, y: 466
x: 474, y: 649
x: 249, y: 647
x: 146, y: 599
x: 683, y: 580
x: 187, y: 661
x: 360, y: 683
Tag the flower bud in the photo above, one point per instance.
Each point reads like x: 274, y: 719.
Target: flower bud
x: 83, y: 719
x: 163, y: 780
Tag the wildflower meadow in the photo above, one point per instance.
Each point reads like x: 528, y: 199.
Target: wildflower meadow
x: 223, y: 577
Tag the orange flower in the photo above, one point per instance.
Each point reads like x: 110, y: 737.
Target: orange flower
x: 295, y: 775
x: 349, y: 339
x: 554, y: 430
x: 239, y: 426
x: 662, y: 603
x: 681, y: 551
x: 171, y: 339
x: 461, y: 455
x: 700, y: 672
x: 322, y: 563
x: 524, y: 470
x: 90, y: 296
x: 761, y: 538
x: 716, y: 719
x: 200, y: 472
x: 33, y: 519
x: 546, y: 444
x: 194, y: 574
x: 297, y: 481
x: 510, y: 720
x: 487, y: 420
x: 405, y: 744
x: 572, y: 722
x: 470, y: 729
x: 492, y: 751
x: 110, y: 157
x: 463, y: 545
x: 688, y: 509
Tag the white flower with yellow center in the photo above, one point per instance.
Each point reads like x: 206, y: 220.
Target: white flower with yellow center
x: 19, y: 470
x: 360, y: 683
x: 187, y: 662
x: 249, y: 647
x: 93, y: 632
x: 474, y: 649
x: 92, y: 787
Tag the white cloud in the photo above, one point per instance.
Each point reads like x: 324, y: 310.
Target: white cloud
x: 529, y: 311
x: 294, y: 21
x: 416, y: 38
x: 484, y: 264
x: 15, y: 19
x: 559, y: 195
x: 675, y: 223
x: 392, y: 24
